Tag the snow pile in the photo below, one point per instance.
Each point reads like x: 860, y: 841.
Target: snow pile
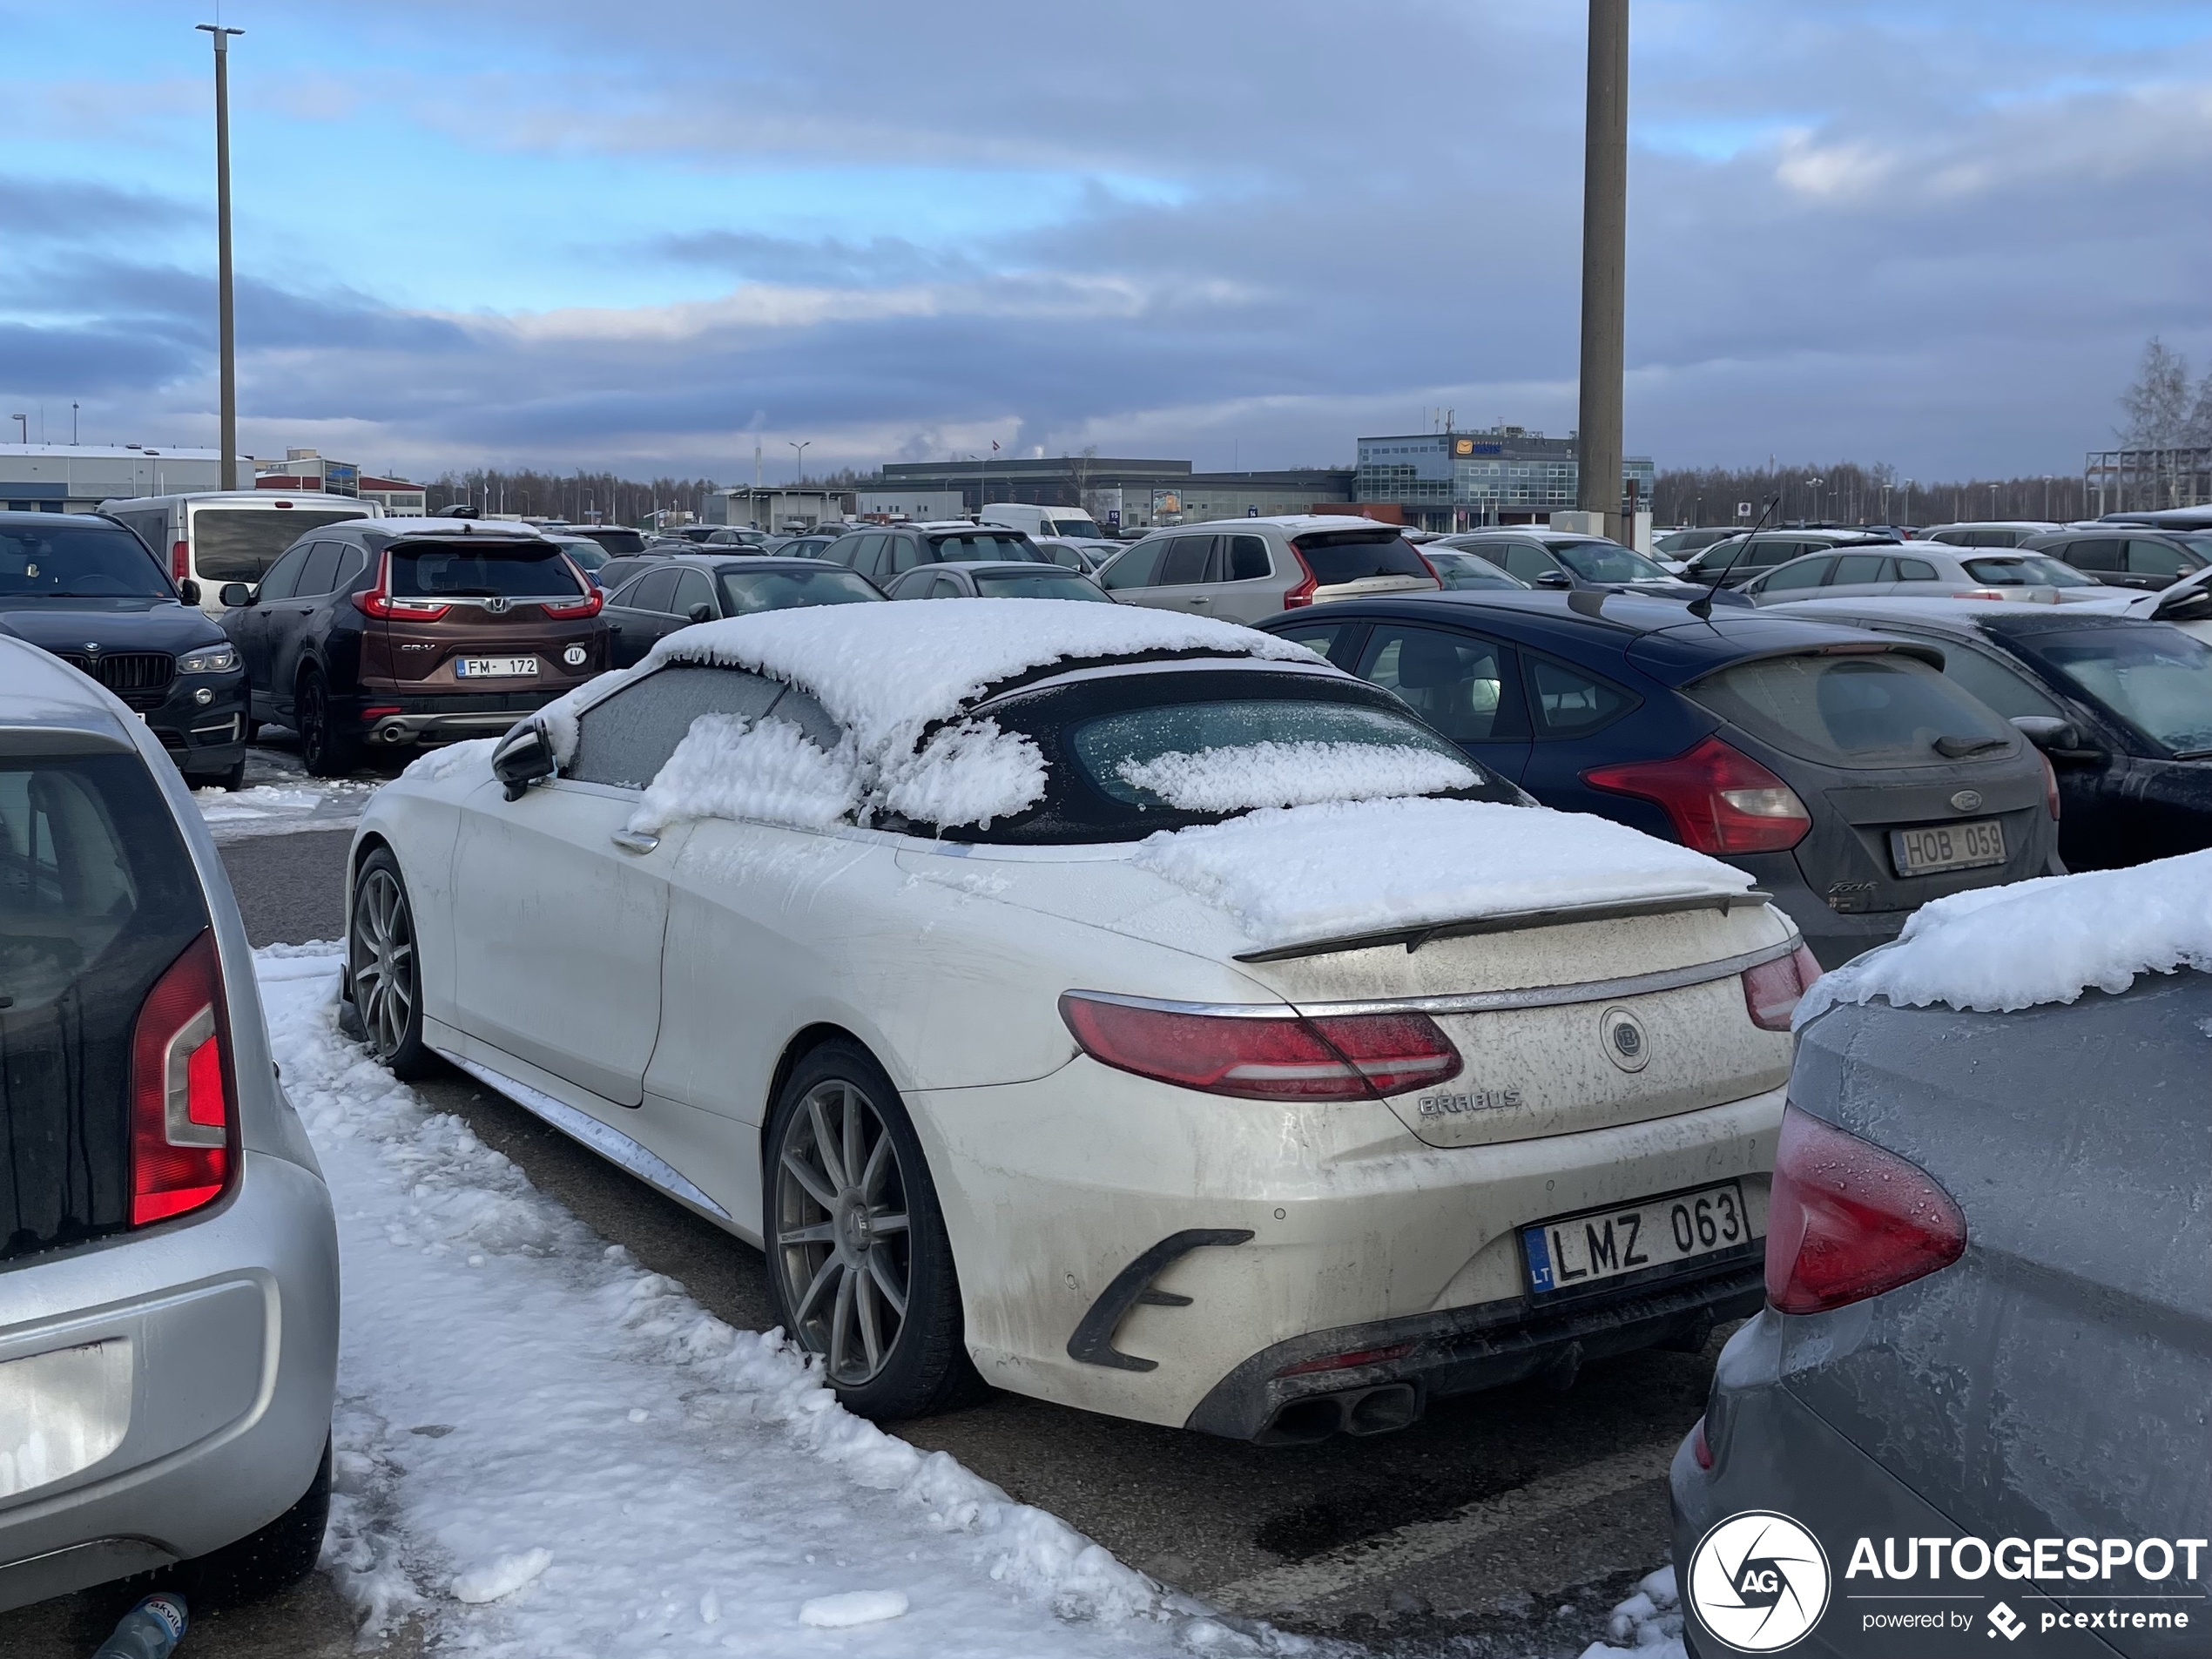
x: 1999, y: 949
x: 1648, y: 1624
x: 968, y: 774
x: 1234, y: 778
x: 435, y: 765
x: 542, y: 1449
x: 854, y: 1607
x: 1309, y: 873
x: 729, y: 766
x: 275, y: 809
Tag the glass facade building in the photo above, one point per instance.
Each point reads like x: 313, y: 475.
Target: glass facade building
x: 1460, y: 480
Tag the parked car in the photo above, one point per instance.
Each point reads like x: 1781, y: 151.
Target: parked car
x: 1544, y: 558
x: 807, y: 547
x: 1735, y: 561
x: 1971, y: 1206
x: 1244, y: 569
x: 1917, y: 570
x: 170, y: 1340
x: 618, y: 539
x: 2164, y: 518
x: 2121, y: 707
x: 1679, y: 544
x: 882, y: 554
x: 2130, y: 557
x: 1459, y: 571
x: 1841, y: 771
x: 949, y: 971
x: 1989, y: 532
x: 616, y: 571
x: 701, y: 587
x: 1044, y: 523
x: 400, y: 631
x: 585, y: 554
x: 1017, y: 581
x: 1085, y: 557
x: 89, y: 592
x: 220, y: 536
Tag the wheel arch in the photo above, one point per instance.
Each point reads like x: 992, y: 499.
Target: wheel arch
x: 804, y: 1043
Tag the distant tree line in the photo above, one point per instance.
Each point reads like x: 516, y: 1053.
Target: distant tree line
x: 1845, y: 492
x: 577, y: 496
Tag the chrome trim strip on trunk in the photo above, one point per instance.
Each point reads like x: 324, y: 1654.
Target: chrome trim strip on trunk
x: 603, y: 1138
x: 1413, y: 938
x: 1537, y: 996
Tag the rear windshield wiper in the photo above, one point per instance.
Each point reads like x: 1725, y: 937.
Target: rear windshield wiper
x: 1954, y: 748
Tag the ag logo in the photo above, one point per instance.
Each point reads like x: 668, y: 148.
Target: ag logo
x: 1759, y: 1581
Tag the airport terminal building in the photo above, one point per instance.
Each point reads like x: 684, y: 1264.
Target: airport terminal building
x: 1457, y: 480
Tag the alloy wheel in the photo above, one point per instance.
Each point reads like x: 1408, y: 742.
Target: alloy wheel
x: 314, y: 719
x: 841, y: 1240
x: 383, y: 963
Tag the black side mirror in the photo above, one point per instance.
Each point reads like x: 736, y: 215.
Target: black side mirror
x: 188, y: 590
x: 1554, y: 579
x: 235, y: 596
x: 524, y: 756
x: 2047, y: 731
x: 701, y: 612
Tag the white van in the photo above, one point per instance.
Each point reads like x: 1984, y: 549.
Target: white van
x: 220, y: 536
x: 1070, y: 523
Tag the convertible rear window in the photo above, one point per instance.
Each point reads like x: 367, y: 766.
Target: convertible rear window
x: 1859, y: 711
x: 481, y: 570
x: 1335, y: 556
x: 97, y: 897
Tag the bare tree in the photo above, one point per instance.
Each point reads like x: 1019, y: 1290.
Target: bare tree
x: 2158, y: 406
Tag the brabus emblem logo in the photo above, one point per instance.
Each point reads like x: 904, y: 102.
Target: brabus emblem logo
x: 1627, y: 1044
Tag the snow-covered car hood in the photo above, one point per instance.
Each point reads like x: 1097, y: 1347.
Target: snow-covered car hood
x: 1283, y: 878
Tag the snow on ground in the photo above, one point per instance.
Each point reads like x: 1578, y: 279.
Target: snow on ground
x: 1306, y: 873
x: 274, y: 809
x: 2046, y: 940
x: 545, y: 1451
x: 1648, y: 1624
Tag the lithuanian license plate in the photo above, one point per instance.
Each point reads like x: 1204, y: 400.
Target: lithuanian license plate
x: 1948, y: 846
x: 1578, y: 1252
x: 493, y: 668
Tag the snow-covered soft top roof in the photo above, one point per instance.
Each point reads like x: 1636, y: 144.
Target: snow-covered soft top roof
x: 887, y: 673
x: 2000, y: 949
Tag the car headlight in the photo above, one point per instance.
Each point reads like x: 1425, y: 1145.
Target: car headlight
x: 208, y: 659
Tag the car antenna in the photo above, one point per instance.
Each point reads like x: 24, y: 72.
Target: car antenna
x: 1702, y: 607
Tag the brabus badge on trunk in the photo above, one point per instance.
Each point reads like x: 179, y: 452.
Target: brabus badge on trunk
x: 1624, y: 1040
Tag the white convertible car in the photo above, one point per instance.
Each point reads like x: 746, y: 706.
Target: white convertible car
x: 1124, y: 1007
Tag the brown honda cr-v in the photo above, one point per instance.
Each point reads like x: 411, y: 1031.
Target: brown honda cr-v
x: 393, y: 632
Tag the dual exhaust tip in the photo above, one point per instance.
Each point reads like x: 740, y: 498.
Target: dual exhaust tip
x: 1382, y: 1409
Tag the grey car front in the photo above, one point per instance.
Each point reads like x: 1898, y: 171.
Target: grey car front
x: 168, y: 1260
x: 1980, y: 1383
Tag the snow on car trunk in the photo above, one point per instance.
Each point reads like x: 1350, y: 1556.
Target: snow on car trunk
x: 542, y: 1449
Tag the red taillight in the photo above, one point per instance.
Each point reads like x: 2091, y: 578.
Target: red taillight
x: 1303, y: 593
x: 1849, y: 1219
x: 377, y: 601
x: 2050, y: 787
x: 1719, y: 798
x: 1771, y: 989
x: 1979, y: 593
x: 1356, y: 1057
x: 181, y: 560
x: 184, y: 1109
x: 1346, y: 1361
x: 1700, y: 1447
x: 587, y: 606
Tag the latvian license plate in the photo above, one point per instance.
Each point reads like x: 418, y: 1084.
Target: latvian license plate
x: 493, y: 668
x: 1582, y: 1251
x: 1948, y: 846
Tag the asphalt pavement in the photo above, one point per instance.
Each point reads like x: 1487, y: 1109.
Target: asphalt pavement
x: 1504, y: 1523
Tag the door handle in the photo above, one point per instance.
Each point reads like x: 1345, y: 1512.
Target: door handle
x: 632, y: 841
x: 1199, y: 599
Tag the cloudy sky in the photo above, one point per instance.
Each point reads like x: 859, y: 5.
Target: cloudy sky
x: 658, y: 233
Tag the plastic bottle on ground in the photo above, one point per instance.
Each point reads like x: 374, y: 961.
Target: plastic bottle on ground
x: 150, y: 1630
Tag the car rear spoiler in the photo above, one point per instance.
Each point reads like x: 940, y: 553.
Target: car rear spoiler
x: 1510, y: 921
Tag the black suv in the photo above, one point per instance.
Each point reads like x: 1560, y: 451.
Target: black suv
x: 880, y: 555
x: 91, y: 592
x: 2128, y: 556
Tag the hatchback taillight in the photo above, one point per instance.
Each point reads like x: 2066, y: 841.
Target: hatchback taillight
x: 376, y: 600
x: 589, y: 606
x: 2050, y: 788
x: 1771, y: 989
x: 1302, y: 594
x: 184, y: 1102
x: 1719, y: 799
x: 1849, y: 1219
x: 1357, y: 1056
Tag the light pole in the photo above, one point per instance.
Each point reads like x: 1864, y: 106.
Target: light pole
x: 2046, y: 498
x: 23, y: 428
x: 226, y: 342
x: 1813, y: 488
x: 1605, y: 241
x: 73, y: 423
x: 1993, y: 501
x: 801, y: 450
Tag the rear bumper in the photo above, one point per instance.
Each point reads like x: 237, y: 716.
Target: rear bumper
x: 388, y: 721
x: 182, y: 1378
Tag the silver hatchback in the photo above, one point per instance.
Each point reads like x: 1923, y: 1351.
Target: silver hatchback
x: 1248, y: 569
x: 168, y: 1258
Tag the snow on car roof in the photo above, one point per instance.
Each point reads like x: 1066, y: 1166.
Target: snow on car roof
x: 888, y: 672
x: 1294, y: 875
x: 396, y: 527
x: 2001, y: 949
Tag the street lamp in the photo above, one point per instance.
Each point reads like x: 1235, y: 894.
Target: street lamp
x: 801, y: 450
x: 2046, y: 498
x: 1813, y: 486
x: 226, y: 341
x: 1993, y: 501
x: 23, y: 428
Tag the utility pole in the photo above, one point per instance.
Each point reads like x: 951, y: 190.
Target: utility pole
x: 226, y: 339
x: 1605, y: 242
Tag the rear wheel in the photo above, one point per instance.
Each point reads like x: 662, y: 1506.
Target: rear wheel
x: 328, y: 752
x: 384, y: 968
x: 858, y: 1256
